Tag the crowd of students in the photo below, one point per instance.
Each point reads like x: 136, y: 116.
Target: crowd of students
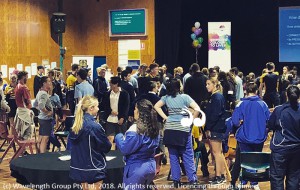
x: 142, y: 113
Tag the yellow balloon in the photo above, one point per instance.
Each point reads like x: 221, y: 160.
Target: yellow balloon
x: 195, y: 43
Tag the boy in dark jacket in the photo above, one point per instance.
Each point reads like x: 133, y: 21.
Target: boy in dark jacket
x: 116, y: 107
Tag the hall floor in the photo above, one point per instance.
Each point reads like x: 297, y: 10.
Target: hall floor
x: 8, y: 182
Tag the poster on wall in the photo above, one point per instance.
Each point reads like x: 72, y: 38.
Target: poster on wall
x: 20, y: 67
x: 219, y: 45
x: 34, y: 69
x: 11, y: 70
x: 47, y: 69
x: 85, y: 61
x: 28, y: 69
x: 129, y: 53
x: 45, y: 62
x: 4, y: 71
x: 53, y: 65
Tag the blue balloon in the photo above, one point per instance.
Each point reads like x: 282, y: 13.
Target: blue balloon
x: 193, y: 36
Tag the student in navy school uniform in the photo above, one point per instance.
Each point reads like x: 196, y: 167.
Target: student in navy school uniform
x: 138, y: 147
x: 89, y: 143
x: 285, y: 143
x: 215, y: 127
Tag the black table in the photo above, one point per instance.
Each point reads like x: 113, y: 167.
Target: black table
x: 46, y: 171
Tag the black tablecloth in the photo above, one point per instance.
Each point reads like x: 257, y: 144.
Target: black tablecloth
x: 46, y: 171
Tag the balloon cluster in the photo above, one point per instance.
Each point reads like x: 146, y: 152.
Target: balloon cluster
x: 197, y: 41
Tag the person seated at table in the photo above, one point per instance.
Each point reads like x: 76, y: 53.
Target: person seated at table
x: 138, y: 146
x: 89, y: 143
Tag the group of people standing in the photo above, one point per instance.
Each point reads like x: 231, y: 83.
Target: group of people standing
x: 143, y: 112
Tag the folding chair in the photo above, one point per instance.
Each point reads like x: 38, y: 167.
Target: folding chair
x: 158, y: 158
x: 66, y: 112
x: 23, y: 144
x: 255, y: 166
x: 7, y: 138
x: 65, y: 132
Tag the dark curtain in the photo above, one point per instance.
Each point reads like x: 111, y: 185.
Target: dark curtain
x: 254, y: 31
x: 167, y: 32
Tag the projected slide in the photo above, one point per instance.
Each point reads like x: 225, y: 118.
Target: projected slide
x: 127, y: 22
x: 289, y: 34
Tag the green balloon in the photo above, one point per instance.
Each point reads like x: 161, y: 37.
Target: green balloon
x: 200, y: 40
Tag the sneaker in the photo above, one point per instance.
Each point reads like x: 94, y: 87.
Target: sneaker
x: 212, y: 179
x: 218, y: 180
x: 223, y: 178
x: 256, y: 187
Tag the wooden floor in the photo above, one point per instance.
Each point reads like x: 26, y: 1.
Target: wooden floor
x: 8, y: 182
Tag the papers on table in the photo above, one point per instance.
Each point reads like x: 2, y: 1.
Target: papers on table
x: 65, y: 158
x: 108, y: 158
x: 68, y: 157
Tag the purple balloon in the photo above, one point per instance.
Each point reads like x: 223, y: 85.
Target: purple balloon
x: 200, y: 30
x: 199, y: 46
x: 197, y: 32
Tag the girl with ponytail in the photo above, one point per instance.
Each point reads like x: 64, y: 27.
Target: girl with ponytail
x: 89, y: 143
x: 138, y: 147
x: 285, y: 143
x: 215, y: 127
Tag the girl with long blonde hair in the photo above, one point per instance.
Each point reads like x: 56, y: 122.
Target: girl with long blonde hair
x: 215, y: 126
x: 89, y: 143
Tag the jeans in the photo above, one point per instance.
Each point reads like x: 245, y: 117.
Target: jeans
x: 187, y: 153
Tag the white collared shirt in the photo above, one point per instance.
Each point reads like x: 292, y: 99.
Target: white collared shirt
x: 114, y: 101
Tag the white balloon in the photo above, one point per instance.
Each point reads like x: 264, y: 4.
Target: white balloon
x: 187, y: 122
x: 200, y: 122
x: 197, y: 25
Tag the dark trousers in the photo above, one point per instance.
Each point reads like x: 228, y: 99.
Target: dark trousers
x: 242, y: 147
x: 283, y: 97
x: 272, y: 99
x: 71, y: 101
x: 285, y: 165
x: 204, y: 155
x: 53, y: 140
